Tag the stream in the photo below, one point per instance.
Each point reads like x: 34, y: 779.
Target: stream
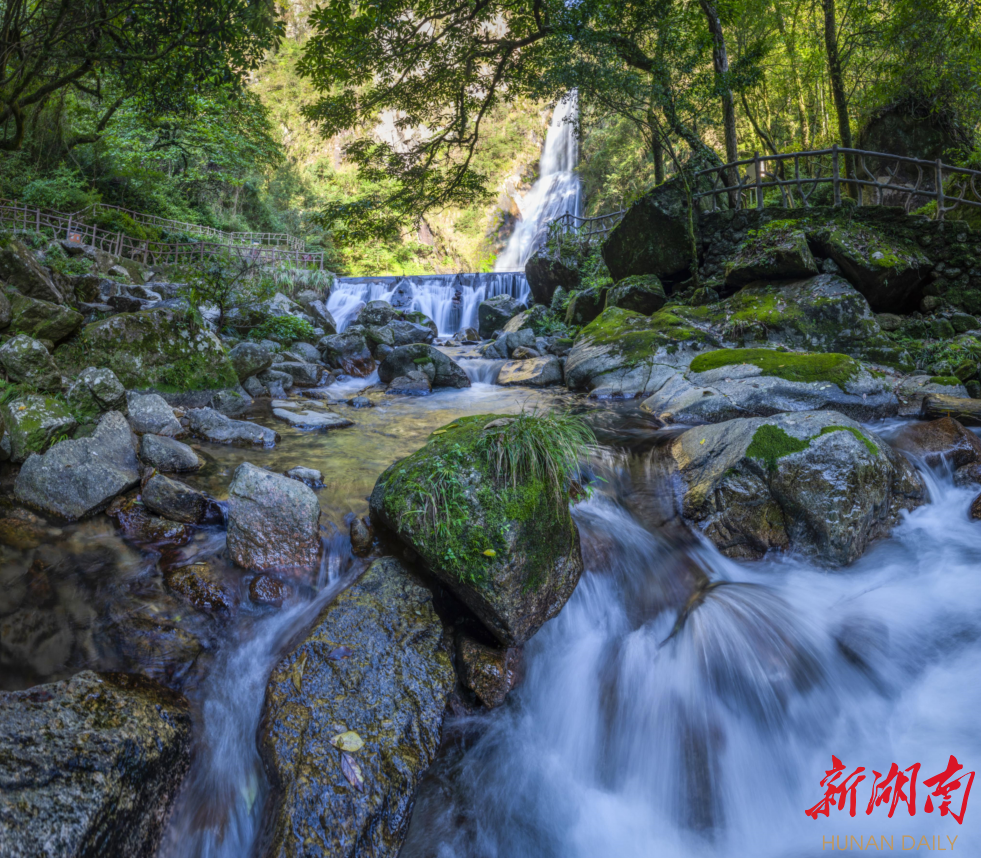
x: 682, y: 704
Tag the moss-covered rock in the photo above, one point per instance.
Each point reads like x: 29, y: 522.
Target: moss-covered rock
x: 27, y: 361
x: 777, y: 251
x: 90, y: 766
x: 494, y: 313
x: 625, y: 354
x: 94, y: 392
x: 729, y: 383
x: 814, y: 482
x: 34, y: 422
x: 585, y: 305
x: 353, y: 718
x: 508, y: 549
x: 887, y: 271
x: 643, y: 294
x: 20, y: 269
x: 42, y: 320
x: 546, y: 274
x: 158, y: 350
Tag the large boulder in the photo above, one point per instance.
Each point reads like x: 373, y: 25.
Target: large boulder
x: 652, y: 238
x: 531, y: 319
x: 303, y: 374
x: 159, y: 350
x: 815, y: 482
x: 214, y: 426
x: 353, y: 717
x: 28, y: 361
x: 273, y: 521
x: 586, y: 305
x: 507, y: 548
x: 95, y: 391
x: 505, y: 345
x: 886, y: 271
x: 546, y: 274
x: 90, y: 766
x: 177, y: 501
x: 20, y: 269
x: 168, y: 455
x: 377, y: 314
x: 149, y: 412
x: 348, y: 352
x: 78, y: 478
x: 729, y: 383
x: 643, y: 294
x: 405, y: 333
x: 622, y: 354
x: 772, y: 252
x: 33, y: 422
x: 494, y: 313
x: 249, y: 359
x: 438, y: 368
x: 43, y: 320
x: 937, y: 442
x: 321, y: 316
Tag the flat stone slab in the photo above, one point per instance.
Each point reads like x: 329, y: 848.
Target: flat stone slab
x: 312, y: 419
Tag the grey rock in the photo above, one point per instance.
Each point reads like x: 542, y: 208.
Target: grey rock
x: 494, y: 313
x: 6, y: 314
x: 78, y: 478
x: 255, y: 388
x: 390, y: 687
x: 149, y: 412
x: 532, y: 372
x: 348, y: 352
x: 406, y: 333
x: 273, y: 521
x: 126, y: 303
x: 772, y: 255
x: 307, y: 476
x: 361, y: 402
x: 27, y: 360
x: 115, y: 751
x: 167, y: 455
x: 214, y: 426
x: 586, y: 305
x: 43, y: 320
x: 814, y: 482
x: 249, y: 359
x: 96, y: 391
x: 322, y: 317
x: 306, y: 374
x: 312, y: 419
x: 32, y: 422
x: 440, y: 369
x: 304, y: 353
x: 377, y: 314
x: 546, y: 274
x: 231, y: 402
x: 414, y: 384
x: 643, y: 294
x: 20, y: 269
x: 275, y: 380
x: 176, y: 501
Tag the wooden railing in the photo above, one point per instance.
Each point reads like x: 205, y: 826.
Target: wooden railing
x: 585, y: 227
x: 911, y: 182
x: 74, y: 228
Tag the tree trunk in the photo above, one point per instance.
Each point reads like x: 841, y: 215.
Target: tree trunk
x: 657, y: 150
x: 837, y: 82
x: 791, y: 44
x: 720, y: 60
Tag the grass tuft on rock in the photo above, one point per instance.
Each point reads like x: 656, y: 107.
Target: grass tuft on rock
x: 834, y: 368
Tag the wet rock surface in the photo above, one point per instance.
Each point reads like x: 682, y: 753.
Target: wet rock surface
x: 353, y: 717
x: 102, y: 781
x: 150, y: 413
x: 167, y: 454
x: 214, y: 426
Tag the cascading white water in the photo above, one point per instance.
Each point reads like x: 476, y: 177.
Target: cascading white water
x: 450, y: 300
x: 558, y: 190
x: 649, y: 724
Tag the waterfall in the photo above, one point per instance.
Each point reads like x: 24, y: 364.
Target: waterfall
x: 450, y: 300
x: 557, y: 191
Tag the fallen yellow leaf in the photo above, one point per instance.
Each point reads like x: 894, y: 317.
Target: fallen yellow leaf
x: 490, y: 552
x: 348, y: 741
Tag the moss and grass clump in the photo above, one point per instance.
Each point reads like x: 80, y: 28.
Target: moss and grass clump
x: 808, y: 368
x: 486, y: 488
x: 636, y: 337
x: 771, y: 443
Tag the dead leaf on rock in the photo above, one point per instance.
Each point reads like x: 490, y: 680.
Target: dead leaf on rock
x: 352, y: 771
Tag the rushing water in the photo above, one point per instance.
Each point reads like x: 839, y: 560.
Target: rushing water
x: 557, y: 191
x: 450, y: 300
x: 682, y: 705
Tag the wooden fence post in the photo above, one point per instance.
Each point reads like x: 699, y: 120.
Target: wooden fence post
x: 939, y: 170
x: 759, y: 181
x: 836, y: 175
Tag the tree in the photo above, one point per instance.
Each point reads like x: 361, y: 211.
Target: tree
x: 110, y: 50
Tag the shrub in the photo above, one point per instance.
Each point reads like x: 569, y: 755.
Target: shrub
x: 64, y: 189
x: 283, y: 329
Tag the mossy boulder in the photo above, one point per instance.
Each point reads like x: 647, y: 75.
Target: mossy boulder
x: 625, y: 354
x: 815, y: 482
x: 33, y: 422
x: 420, y: 357
x: 534, y: 319
x: 349, y: 352
x: 27, y: 361
x: 777, y: 251
x: 20, y: 269
x: 642, y: 294
x: 546, y: 274
x: 887, y: 271
x: 90, y: 766
x: 729, y: 383
x: 585, y: 305
x: 508, y: 550
x: 353, y: 717
x: 95, y: 391
x: 652, y: 238
x: 494, y: 313
x: 42, y: 320
x: 155, y: 350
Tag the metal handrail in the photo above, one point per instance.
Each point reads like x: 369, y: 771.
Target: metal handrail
x: 798, y: 190
x: 76, y: 230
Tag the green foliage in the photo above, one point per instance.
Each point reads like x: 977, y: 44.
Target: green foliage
x: 283, y: 329
x: 63, y: 189
x: 70, y: 266
x: 226, y: 285
x: 834, y: 368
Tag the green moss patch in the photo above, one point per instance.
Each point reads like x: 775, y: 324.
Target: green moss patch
x: 636, y: 337
x: 771, y: 443
x: 835, y: 368
x: 949, y: 380
x: 872, y: 448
